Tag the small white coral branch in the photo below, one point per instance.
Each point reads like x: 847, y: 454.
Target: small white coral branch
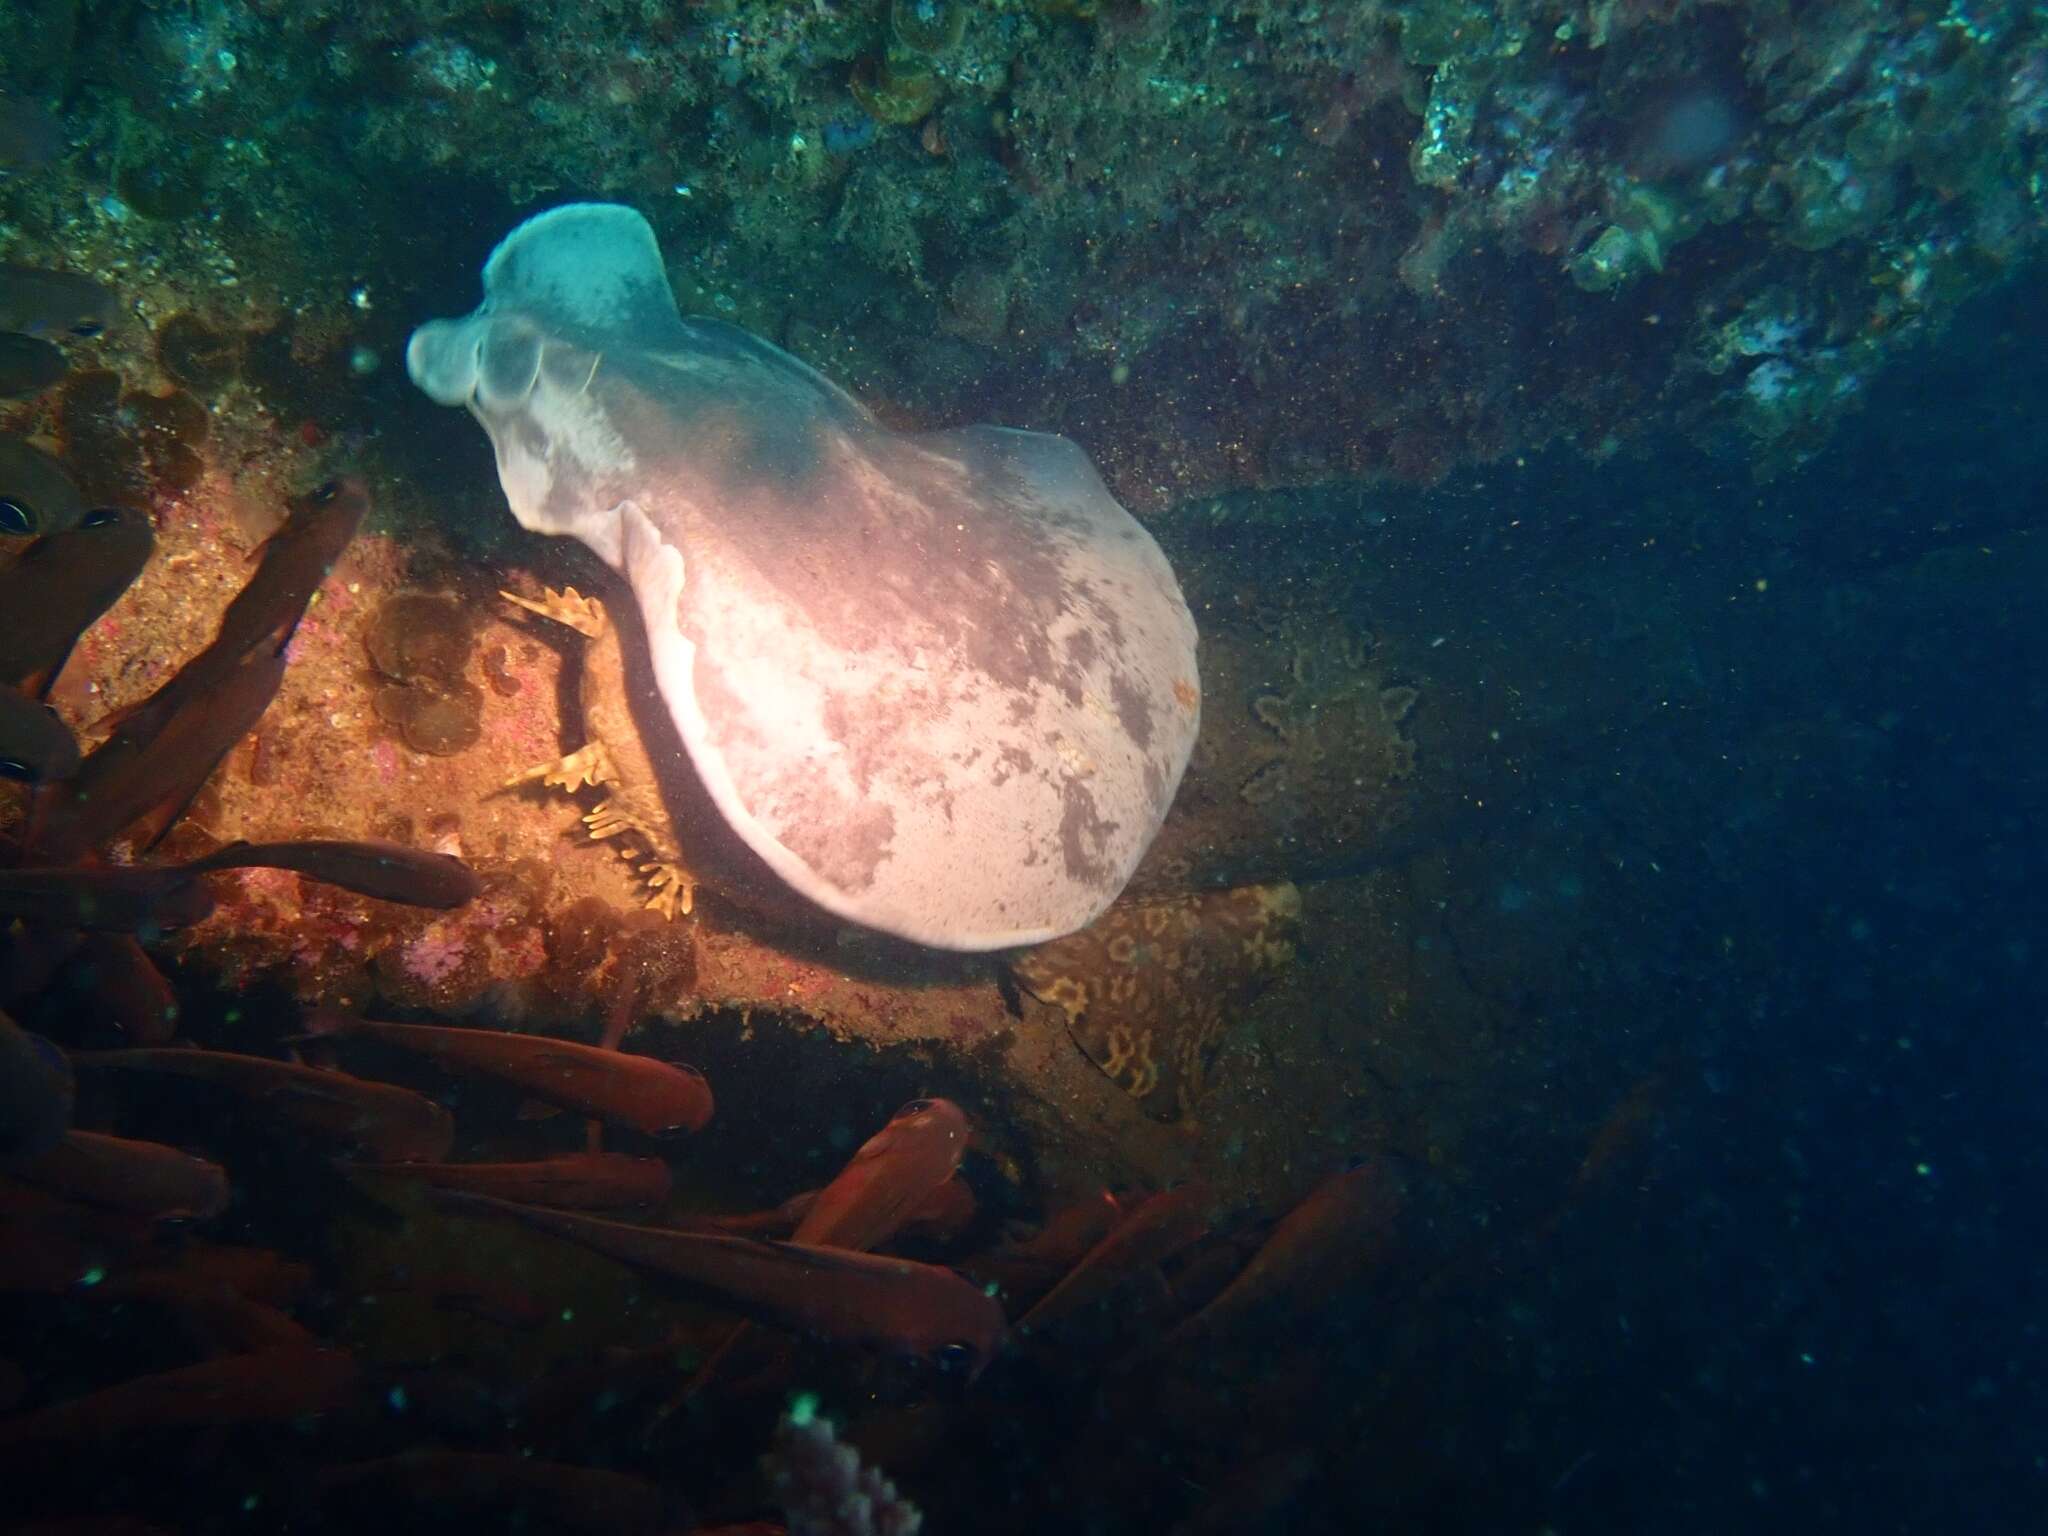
x: 823, y: 1488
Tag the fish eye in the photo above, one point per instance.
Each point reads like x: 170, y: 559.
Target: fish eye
x: 99, y: 517
x: 325, y: 493
x: 16, y: 518
x: 87, y: 328
x: 914, y: 1107
x: 955, y: 1357
x: 14, y: 768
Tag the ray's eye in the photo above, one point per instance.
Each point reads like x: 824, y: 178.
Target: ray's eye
x: 914, y: 1107
x: 16, y: 518
x: 955, y: 1357
x: 14, y: 768
x: 87, y: 328
x: 325, y: 493
x: 100, y: 517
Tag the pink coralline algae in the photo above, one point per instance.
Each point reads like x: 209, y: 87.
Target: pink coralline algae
x: 436, y: 955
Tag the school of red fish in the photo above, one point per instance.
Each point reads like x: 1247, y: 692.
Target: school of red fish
x: 890, y: 1278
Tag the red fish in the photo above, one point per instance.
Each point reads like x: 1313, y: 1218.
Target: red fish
x: 128, y: 898
x: 109, y: 898
x: 1337, y: 1232
x: 165, y: 748
x: 273, y: 1387
x: 217, y: 1318
x: 1031, y: 1266
x: 776, y: 1222
x: 143, y: 1178
x: 146, y: 773
x: 36, y: 1091
x: 122, y: 986
x: 40, y: 302
x: 49, y: 1246
x: 1620, y: 1143
x: 867, y: 1204
x: 295, y: 561
x: 578, y: 1181
x: 1153, y: 1233
x: 28, y: 366
x: 505, y: 1305
x: 34, y: 744
x: 940, y: 1217
x: 36, y: 495
x: 896, y: 1170
x: 490, y: 1293
x: 387, y: 1123
x: 618, y: 1086
x: 386, y: 871
x: 65, y: 581
x: 897, y: 1306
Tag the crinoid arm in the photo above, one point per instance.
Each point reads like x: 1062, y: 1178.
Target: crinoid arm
x: 587, y: 767
x: 671, y: 890
x: 569, y: 607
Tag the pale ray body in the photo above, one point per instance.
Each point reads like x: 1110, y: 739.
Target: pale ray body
x: 943, y: 685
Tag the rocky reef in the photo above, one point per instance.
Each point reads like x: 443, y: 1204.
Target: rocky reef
x: 1263, y: 243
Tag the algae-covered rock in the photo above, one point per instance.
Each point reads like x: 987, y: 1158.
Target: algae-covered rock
x: 197, y: 354
x: 421, y: 642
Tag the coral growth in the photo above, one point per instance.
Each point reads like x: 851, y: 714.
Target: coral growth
x: 1246, y: 244
x: 822, y: 1486
x: 421, y: 645
x: 196, y: 354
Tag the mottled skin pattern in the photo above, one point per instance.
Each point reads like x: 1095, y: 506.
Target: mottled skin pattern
x: 942, y: 685
x: 1336, y: 727
x: 1149, y: 988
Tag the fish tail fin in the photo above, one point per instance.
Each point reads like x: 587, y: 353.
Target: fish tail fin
x: 585, y: 615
